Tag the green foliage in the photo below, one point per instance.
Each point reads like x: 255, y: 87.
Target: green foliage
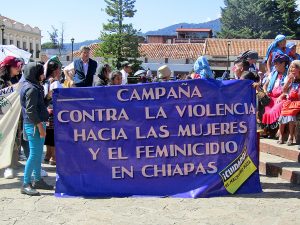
x: 259, y: 19
x: 54, y: 37
x: 48, y: 45
x: 120, y: 41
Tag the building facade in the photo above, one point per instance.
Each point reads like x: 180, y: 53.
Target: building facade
x: 22, y: 36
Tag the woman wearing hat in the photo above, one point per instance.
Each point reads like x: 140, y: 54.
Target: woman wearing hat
x: 9, y: 68
x: 291, y: 51
x: 276, y: 47
x: 274, y: 88
x: 164, y: 73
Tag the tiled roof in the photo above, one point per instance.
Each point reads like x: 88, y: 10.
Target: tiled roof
x: 162, y: 51
x: 171, y: 51
x: 211, y: 47
x: 218, y: 47
x: 93, y: 48
x: 193, y: 30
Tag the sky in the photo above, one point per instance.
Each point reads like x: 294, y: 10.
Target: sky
x: 83, y: 20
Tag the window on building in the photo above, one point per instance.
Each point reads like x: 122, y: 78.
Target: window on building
x: 4, y: 41
x: 11, y: 42
x: 30, y: 47
x: 166, y: 60
x: 25, y: 45
x: 18, y: 44
x: 68, y: 58
x: 37, y: 51
x: 187, y: 61
x: 146, y: 60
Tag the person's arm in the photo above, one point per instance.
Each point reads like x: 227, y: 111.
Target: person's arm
x: 269, y: 64
x: 69, y: 71
x: 288, y: 83
x: 265, y: 87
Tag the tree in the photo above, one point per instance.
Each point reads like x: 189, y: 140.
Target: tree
x: 54, y: 42
x: 54, y: 37
x: 259, y: 18
x: 119, y: 40
x: 289, y: 18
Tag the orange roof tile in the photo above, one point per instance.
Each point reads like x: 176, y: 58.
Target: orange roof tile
x: 171, y: 51
x: 211, y: 47
x: 218, y: 47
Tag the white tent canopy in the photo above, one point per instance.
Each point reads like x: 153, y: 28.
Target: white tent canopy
x: 11, y: 50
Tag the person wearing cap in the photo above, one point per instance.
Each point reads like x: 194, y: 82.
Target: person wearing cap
x: 251, y: 56
x: 126, y: 71
x: 278, y: 46
x: 83, y: 69
x: 141, y: 75
x: 274, y: 88
x: 163, y: 73
x: 9, y: 68
x: 291, y: 51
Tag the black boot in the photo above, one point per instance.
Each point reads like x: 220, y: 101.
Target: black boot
x: 26, y: 189
x: 41, y: 184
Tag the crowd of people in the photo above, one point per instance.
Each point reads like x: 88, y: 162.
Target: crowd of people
x: 278, y: 96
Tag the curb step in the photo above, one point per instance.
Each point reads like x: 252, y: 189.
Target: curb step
x: 287, y: 152
x: 275, y: 166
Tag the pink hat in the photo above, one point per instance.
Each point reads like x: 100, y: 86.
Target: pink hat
x: 10, y: 61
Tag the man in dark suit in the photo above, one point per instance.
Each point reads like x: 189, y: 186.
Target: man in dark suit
x: 84, y: 69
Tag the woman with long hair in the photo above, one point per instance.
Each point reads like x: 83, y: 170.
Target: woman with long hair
x: 52, y: 70
x: 10, y: 67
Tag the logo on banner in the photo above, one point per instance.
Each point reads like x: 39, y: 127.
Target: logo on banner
x: 237, y: 172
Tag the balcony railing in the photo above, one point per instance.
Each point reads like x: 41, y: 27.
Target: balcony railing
x: 189, y: 40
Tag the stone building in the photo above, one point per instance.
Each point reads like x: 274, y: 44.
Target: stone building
x: 21, y: 35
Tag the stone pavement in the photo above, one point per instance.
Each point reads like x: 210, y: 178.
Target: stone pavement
x: 278, y: 204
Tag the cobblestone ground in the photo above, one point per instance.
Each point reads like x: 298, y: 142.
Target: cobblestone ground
x: 278, y: 204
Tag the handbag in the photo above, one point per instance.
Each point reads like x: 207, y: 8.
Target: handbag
x: 263, y: 98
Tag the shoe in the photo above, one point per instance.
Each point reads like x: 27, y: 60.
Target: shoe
x: 52, y: 162
x: 289, y: 143
x: 44, y: 173
x: 280, y: 142
x: 26, y: 189
x: 41, y: 184
x: 9, y: 173
x: 46, y: 161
